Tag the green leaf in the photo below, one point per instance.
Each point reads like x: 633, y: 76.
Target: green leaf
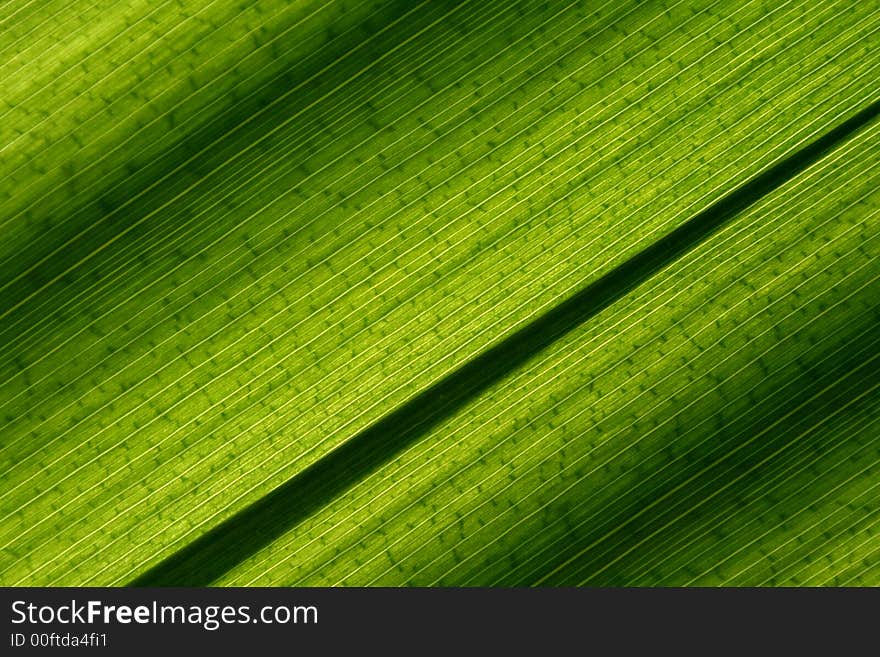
x: 439, y: 293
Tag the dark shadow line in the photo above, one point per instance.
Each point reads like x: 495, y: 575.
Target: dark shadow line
x: 231, y: 542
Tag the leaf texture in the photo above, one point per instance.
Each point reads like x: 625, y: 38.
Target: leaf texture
x: 397, y: 293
